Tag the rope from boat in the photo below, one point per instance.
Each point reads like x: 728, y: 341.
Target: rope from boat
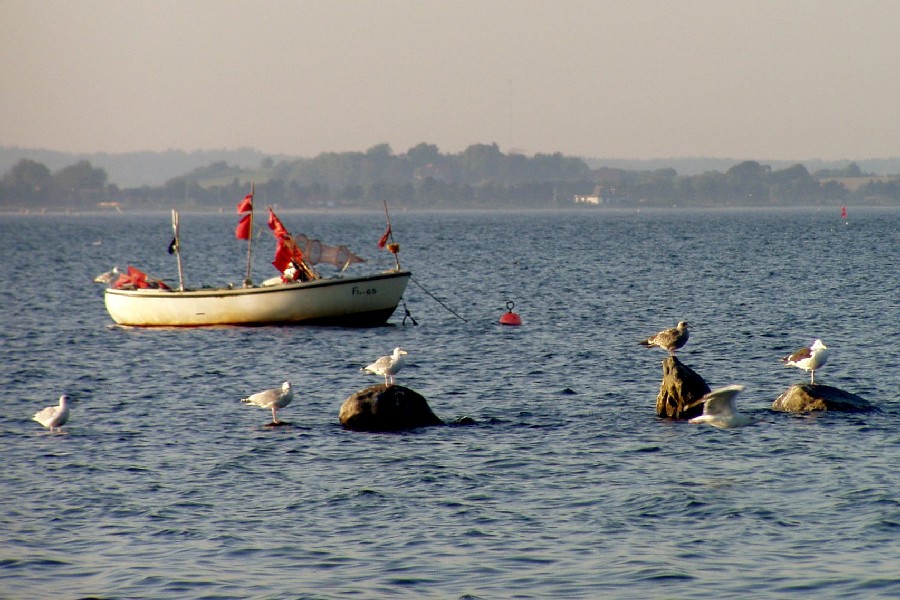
x: 438, y: 301
x: 408, y: 314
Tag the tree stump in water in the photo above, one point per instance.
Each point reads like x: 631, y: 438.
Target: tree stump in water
x: 680, y: 391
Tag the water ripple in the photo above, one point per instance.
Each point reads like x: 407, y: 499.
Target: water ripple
x: 567, y: 485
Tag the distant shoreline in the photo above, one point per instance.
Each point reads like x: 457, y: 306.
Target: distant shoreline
x: 460, y: 210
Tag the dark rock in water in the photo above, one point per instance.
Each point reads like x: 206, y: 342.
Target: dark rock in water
x: 464, y: 421
x: 278, y: 424
x: 383, y: 408
x: 680, y: 391
x: 809, y: 397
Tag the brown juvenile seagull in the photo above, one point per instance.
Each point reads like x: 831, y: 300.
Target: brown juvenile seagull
x: 669, y: 339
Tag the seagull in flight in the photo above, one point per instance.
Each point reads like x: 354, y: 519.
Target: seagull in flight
x: 719, y: 409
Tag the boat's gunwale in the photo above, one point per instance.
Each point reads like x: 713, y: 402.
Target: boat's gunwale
x: 241, y: 291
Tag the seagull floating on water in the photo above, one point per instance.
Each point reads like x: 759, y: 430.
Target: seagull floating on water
x: 719, y: 409
x: 54, y: 417
x: 275, y: 398
x: 388, y: 365
x: 669, y: 339
x: 808, y: 359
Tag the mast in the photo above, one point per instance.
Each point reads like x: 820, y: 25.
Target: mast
x: 247, y: 281
x: 393, y: 247
x: 176, y: 246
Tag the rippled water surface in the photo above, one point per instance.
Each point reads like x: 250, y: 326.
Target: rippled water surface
x: 567, y: 486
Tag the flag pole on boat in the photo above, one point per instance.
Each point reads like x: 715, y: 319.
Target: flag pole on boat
x: 175, y: 247
x: 393, y: 247
x: 244, y: 229
x: 247, y: 281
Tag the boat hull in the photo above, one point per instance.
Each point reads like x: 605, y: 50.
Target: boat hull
x: 351, y: 301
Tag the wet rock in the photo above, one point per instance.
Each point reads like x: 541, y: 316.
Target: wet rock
x: 680, y: 391
x: 383, y: 408
x: 809, y: 397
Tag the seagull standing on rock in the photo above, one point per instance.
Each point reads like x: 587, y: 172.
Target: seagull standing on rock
x: 388, y: 366
x: 274, y: 399
x: 669, y: 339
x: 54, y: 417
x: 719, y: 409
x: 808, y: 359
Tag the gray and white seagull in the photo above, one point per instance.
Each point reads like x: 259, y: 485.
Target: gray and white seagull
x: 388, y: 365
x: 809, y: 359
x: 719, y: 409
x: 54, y: 417
x: 275, y: 399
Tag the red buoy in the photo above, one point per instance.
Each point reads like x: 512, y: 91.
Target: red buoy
x: 510, y: 318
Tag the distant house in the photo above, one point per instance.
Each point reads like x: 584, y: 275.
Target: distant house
x: 592, y: 199
x: 601, y: 195
x: 113, y: 205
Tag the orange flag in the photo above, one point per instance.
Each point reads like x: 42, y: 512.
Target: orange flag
x: 286, y: 252
x: 385, y: 237
x: 278, y: 229
x: 246, y: 205
x: 242, y: 231
x: 134, y: 277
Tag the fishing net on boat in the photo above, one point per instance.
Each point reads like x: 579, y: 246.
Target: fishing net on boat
x: 317, y: 252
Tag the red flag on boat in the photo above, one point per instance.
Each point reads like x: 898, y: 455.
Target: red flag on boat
x: 138, y: 278
x: 286, y: 252
x: 283, y: 256
x: 276, y: 226
x: 246, y: 205
x: 242, y: 231
x: 123, y: 280
x: 133, y: 277
x: 385, y: 237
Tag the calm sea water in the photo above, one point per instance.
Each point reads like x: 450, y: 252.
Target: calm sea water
x: 164, y: 485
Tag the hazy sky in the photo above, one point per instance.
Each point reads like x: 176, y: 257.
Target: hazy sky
x: 759, y: 79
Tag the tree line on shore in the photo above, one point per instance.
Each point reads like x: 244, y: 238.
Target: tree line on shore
x: 480, y: 177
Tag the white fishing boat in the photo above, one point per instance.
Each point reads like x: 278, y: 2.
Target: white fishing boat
x: 351, y: 301
x: 298, y: 295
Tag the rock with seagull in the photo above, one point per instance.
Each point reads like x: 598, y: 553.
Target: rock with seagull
x: 680, y: 391
x: 386, y: 408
